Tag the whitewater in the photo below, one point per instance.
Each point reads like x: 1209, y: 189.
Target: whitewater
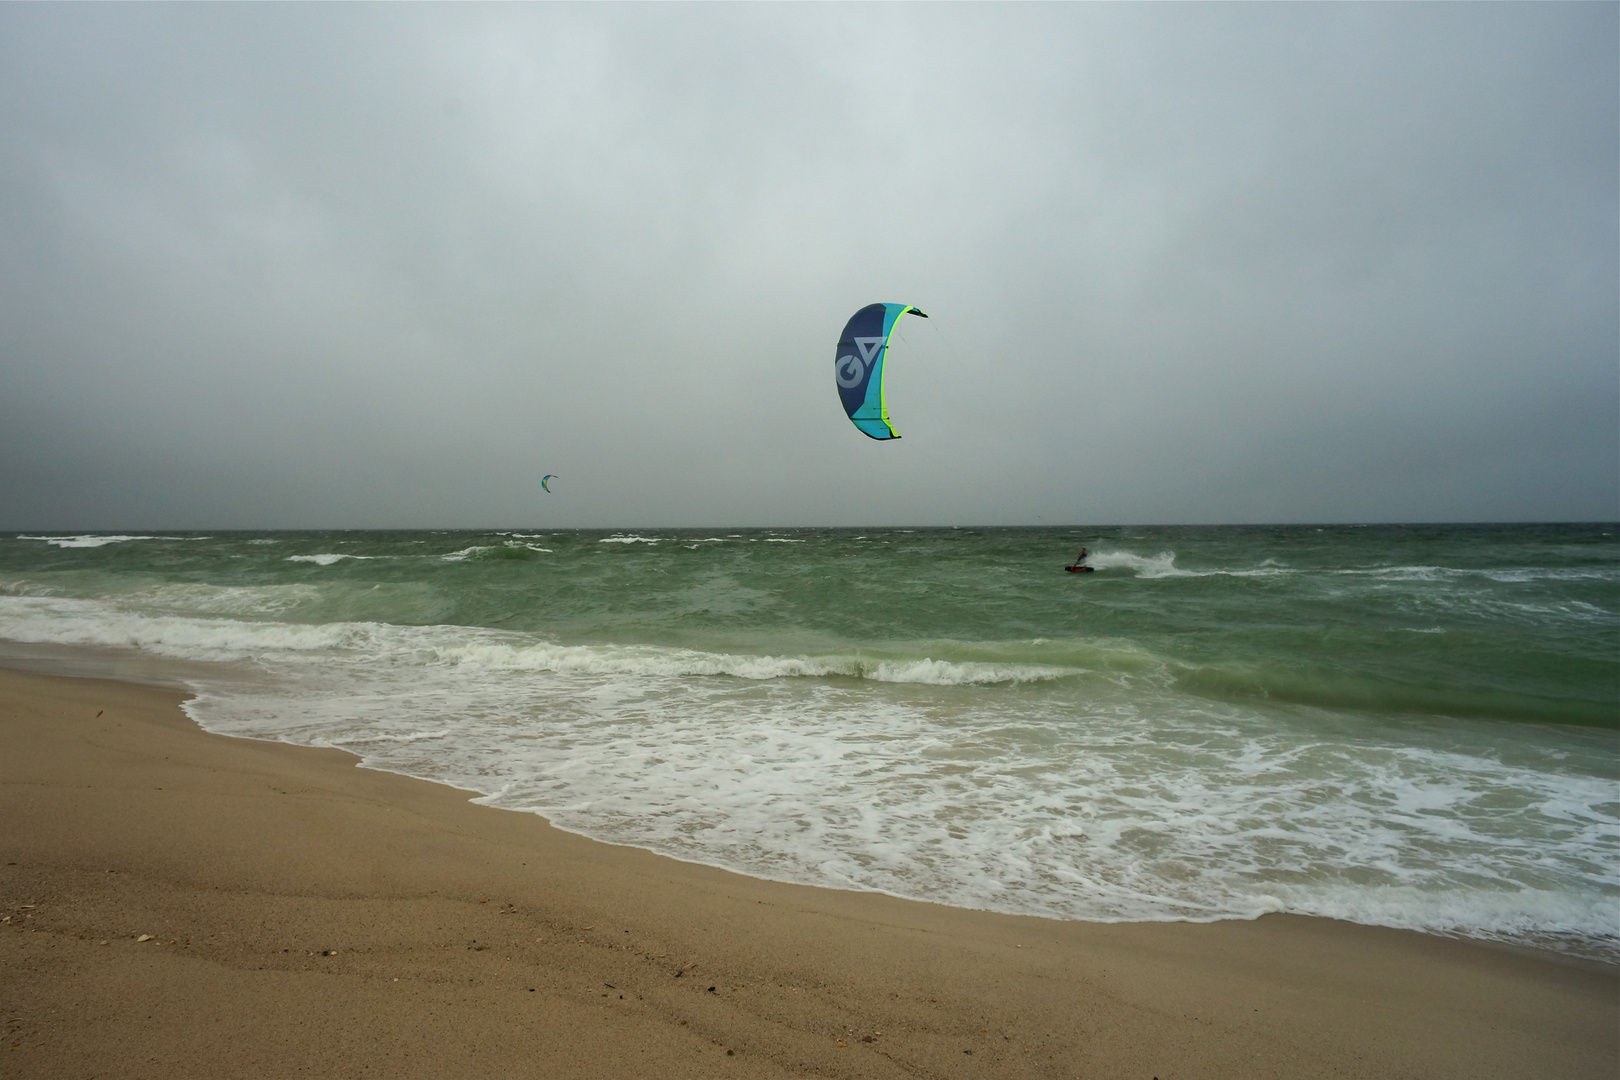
x: 1405, y: 726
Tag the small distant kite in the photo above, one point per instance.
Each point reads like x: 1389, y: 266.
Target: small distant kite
x: 545, y: 481
x: 859, y: 369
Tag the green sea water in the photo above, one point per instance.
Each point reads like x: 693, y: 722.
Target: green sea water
x: 1407, y: 725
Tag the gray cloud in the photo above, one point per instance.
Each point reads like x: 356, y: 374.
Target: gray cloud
x: 358, y: 266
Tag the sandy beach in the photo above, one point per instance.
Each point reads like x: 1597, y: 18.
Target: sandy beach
x: 182, y: 904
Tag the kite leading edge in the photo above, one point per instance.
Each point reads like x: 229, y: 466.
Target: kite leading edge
x: 859, y: 368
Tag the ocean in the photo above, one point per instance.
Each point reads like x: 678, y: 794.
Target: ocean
x: 1409, y: 726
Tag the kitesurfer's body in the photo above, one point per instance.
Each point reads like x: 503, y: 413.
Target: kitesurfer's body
x: 1080, y: 559
x: 1079, y: 565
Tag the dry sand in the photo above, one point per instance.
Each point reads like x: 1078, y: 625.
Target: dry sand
x: 303, y: 917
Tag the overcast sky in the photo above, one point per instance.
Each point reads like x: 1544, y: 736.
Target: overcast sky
x: 387, y: 265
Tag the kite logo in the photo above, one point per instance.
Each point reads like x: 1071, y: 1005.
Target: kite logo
x: 851, y: 370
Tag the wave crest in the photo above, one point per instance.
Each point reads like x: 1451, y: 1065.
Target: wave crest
x: 658, y: 661
x: 62, y: 621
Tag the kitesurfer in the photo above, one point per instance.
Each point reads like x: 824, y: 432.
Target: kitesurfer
x: 1080, y: 559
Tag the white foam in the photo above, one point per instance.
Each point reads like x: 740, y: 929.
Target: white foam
x: 638, y: 660
x: 64, y: 621
x: 466, y: 553
x: 1503, y: 575
x: 1154, y: 566
x: 67, y: 621
x: 327, y: 558
x: 1009, y: 808
x: 25, y: 588
x: 94, y: 540
x: 195, y: 598
x: 629, y: 540
x: 510, y: 545
x: 1163, y: 565
x: 1017, y: 787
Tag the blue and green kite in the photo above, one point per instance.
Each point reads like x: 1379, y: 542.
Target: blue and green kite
x: 859, y: 369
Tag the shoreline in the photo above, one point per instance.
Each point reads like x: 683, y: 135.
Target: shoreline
x: 305, y: 915
x: 127, y: 666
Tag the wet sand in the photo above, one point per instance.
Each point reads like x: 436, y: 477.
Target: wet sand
x: 303, y: 917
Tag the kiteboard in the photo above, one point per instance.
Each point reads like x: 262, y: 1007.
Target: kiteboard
x: 1079, y: 569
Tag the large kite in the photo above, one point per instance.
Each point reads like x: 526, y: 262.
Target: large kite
x: 859, y: 369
